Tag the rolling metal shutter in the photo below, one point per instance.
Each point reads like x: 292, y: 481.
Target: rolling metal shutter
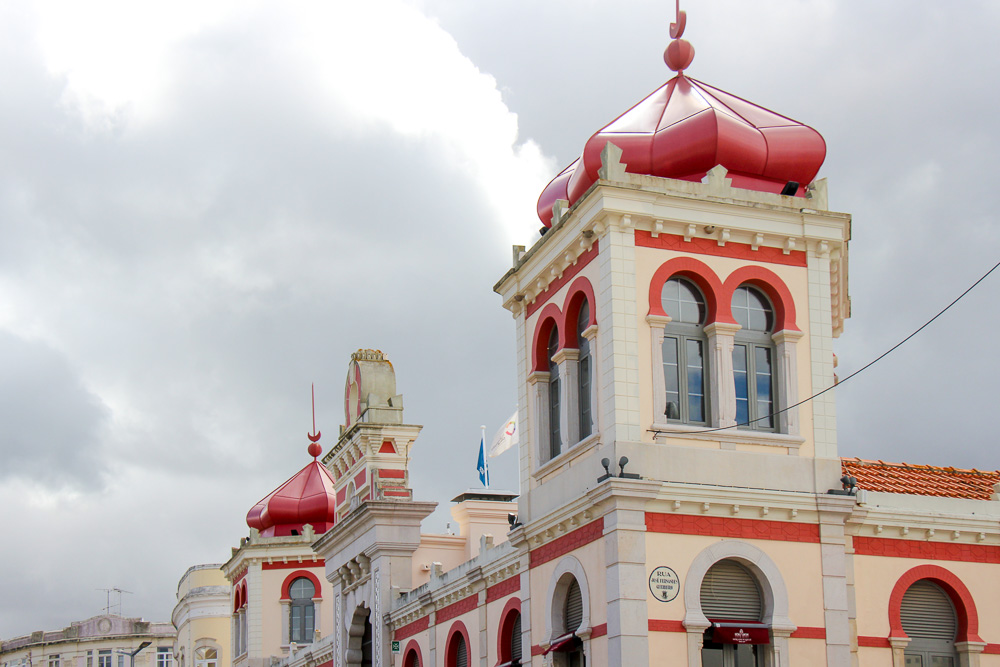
x: 729, y: 592
x: 461, y: 652
x: 927, y: 612
x: 515, y: 640
x: 573, y: 613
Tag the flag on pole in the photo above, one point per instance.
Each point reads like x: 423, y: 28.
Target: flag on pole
x: 506, y: 437
x: 484, y: 470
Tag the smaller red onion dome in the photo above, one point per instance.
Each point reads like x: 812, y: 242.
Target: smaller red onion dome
x: 308, y: 497
x: 684, y: 129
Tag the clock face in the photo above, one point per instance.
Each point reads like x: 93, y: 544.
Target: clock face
x: 352, y: 394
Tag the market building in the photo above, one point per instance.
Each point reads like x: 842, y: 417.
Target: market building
x: 682, y: 502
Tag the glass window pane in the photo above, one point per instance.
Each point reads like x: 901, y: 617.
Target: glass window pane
x: 695, y: 383
x: 762, y: 379
x: 671, y: 378
x: 914, y: 661
x: 682, y: 301
x: 742, y: 381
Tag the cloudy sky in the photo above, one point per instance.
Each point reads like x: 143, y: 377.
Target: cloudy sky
x: 206, y: 206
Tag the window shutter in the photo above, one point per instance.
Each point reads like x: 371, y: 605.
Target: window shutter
x: 573, y: 613
x: 515, y: 640
x: 461, y: 653
x: 729, y: 592
x: 927, y: 612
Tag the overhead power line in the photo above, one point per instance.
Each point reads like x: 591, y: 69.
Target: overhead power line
x: 855, y: 373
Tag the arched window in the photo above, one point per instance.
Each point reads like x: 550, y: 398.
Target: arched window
x: 555, y: 434
x: 515, y: 641
x: 585, y: 372
x: 301, y: 612
x: 753, y: 359
x: 206, y: 657
x: 458, y: 651
x: 929, y: 620
x: 412, y: 659
x: 731, y: 600
x: 684, y: 347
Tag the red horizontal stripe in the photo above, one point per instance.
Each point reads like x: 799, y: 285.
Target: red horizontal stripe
x: 809, y: 633
x: 536, y: 650
x: 504, y: 588
x: 703, y: 246
x: 413, y: 628
x: 599, y: 631
x: 659, y: 625
x: 386, y: 473
x: 721, y: 526
x: 874, y: 642
x: 895, y: 548
x: 464, y: 605
x: 290, y: 565
x: 569, y: 542
x: 992, y: 649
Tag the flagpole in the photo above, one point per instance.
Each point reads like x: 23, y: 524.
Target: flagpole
x: 486, y: 459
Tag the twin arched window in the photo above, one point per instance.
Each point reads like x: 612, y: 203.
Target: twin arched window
x: 685, y: 358
x: 565, y: 397
x: 302, y: 613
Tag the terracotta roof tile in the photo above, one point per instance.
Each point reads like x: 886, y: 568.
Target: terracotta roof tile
x: 922, y: 480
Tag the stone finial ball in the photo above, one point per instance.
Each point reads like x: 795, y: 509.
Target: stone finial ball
x: 678, y: 55
x: 315, y: 449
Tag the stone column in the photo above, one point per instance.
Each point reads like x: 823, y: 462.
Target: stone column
x: 657, y: 323
x: 787, y: 379
x: 721, y: 383
x: 539, y: 383
x: 568, y: 360
x: 833, y: 514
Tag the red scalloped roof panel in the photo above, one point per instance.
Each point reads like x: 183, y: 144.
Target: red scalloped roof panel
x: 308, y: 497
x: 922, y: 480
x: 684, y: 129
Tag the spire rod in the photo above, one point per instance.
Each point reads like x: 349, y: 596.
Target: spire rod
x: 679, y: 52
x: 315, y: 449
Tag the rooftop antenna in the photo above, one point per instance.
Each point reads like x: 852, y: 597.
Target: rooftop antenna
x: 114, y: 609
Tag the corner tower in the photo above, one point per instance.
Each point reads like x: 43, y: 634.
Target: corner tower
x: 682, y: 300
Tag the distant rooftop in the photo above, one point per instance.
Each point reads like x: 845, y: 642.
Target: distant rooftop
x: 922, y: 480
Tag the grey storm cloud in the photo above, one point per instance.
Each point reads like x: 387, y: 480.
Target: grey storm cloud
x: 51, y: 425
x: 171, y: 282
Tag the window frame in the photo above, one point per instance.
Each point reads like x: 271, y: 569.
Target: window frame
x: 306, y: 607
x: 682, y: 334
x: 753, y: 341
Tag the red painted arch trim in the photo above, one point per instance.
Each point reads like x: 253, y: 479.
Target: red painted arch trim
x: 581, y: 290
x: 769, y: 283
x: 237, y: 600
x: 287, y: 583
x: 507, y: 617
x: 701, y: 275
x: 412, y: 647
x: 450, y: 658
x: 965, y: 606
x: 550, y: 317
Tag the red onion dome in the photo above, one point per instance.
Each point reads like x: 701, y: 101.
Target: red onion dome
x: 308, y: 497
x: 684, y: 129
